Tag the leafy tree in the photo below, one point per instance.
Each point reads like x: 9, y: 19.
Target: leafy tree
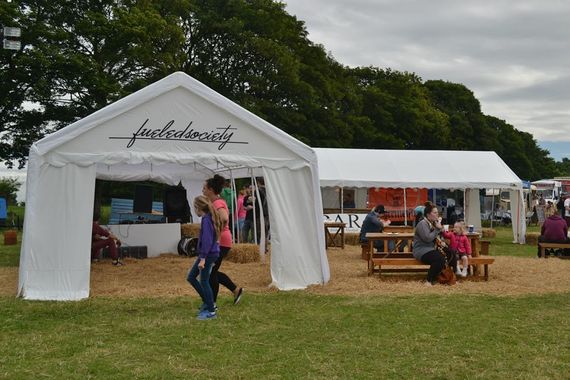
x: 469, y: 130
x: 564, y: 167
x: 9, y: 188
x: 79, y: 56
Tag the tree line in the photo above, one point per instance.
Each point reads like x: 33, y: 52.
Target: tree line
x: 79, y: 56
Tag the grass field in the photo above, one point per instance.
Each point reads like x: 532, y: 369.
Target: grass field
x: 290, y: 335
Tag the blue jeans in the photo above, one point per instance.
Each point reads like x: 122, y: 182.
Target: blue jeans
x: 203, y: 286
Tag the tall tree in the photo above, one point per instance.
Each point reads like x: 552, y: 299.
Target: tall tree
x: 468, y: 127
x: 77, y: 57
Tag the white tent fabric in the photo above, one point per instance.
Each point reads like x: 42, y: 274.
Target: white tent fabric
x: 431, y: 169
x: 175, y: 130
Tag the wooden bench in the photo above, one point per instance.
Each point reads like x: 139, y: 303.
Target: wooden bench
x: 545, y: 245
x: 407, y: 260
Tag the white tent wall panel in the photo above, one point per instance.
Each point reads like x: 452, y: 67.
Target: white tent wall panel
x: 518, y: 216
x: 472, y: 208
x: 89, y: 148
x: 298, y: 241
x: 468, y: 170
x: 55, y: 259
x: 175, y: 114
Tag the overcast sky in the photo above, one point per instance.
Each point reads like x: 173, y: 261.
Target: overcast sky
x: 514, y: 55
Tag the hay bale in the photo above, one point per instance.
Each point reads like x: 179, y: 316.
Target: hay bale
x: 532, y: 238
x: 190, y: 230
x: 244, y: 253
x: 489, y: 233
x: 352, y: 238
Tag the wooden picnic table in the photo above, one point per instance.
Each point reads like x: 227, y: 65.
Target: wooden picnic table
x: 399, y: 229
x: 397, y: 237
x: 332, y: 231
x: 474, y: 239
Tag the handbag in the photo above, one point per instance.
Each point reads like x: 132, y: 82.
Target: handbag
x: 447, y: 276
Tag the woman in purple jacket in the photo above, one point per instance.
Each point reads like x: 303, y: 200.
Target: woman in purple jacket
x: 554, y: 229
x: 208, y: 252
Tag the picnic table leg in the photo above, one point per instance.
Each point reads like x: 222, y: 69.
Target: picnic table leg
x: 475, y: 253
x: 486, y: 272
x: 370, y: 255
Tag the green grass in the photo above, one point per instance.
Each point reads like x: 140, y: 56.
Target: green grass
x: 289, y: 335
x: 10, y: 254
x: 502, y: 244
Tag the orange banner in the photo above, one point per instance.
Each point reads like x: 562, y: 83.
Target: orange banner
x: 393, y: 201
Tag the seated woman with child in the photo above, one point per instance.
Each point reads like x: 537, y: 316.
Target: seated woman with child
x: 426, y: 234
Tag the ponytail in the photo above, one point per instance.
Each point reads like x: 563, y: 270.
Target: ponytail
x: 203, y: 204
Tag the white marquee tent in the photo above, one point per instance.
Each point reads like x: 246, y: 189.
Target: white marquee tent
x: 431, y: 169
x: 175, y: 130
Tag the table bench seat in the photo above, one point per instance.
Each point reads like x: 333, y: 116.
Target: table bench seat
x: 404, y: 260
x: 544, y: 245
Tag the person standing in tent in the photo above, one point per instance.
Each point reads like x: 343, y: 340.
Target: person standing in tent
x: 102, y: 238
x: 567, y: 210
x: 212, y: 190
x: 228, y: 195
x: 252, y: 221
x: 208, y: 252
x: 241, y: 211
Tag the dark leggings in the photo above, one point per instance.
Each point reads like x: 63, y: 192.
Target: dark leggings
x: 436, y: 263
x: 217, y: 277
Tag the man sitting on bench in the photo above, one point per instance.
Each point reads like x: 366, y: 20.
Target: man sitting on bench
x: 102, y: 238
x: 374, y: 223
x: 554, y: 229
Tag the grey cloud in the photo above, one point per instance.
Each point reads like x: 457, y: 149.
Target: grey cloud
x: 514, y: 55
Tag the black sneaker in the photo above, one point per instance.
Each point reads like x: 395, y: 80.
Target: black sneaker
x: 237, y: 297
x: 117, y: 263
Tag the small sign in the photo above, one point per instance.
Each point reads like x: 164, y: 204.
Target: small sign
x: 12, y: 45
x: 10, y: 31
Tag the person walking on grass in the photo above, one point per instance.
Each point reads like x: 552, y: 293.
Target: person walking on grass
x: 212, y: 189
x: 208, y: 252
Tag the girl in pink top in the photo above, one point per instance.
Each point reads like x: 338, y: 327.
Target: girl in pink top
x: 212, y: 189
x: 460, y: 243
x: 241, y: 211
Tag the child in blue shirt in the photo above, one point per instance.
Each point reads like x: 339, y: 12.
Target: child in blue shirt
x: 208, y: 251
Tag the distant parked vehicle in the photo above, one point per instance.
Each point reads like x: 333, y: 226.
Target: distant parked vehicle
x: 549, y: 189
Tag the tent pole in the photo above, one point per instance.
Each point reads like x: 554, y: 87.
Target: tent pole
x: 341, y: 200
x: 464, y: 206
x: 255, y: 195
x: 492, y: 206
x: 405, y: 209
x: 263, y: 241
x: 235, y: 226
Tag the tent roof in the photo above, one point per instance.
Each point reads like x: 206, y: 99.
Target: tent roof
x: 414, y: 168
x: 190, y: 123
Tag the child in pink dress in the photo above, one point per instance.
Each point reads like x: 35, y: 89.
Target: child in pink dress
x: 459, y: 243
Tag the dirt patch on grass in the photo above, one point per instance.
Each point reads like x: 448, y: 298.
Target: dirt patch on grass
x: 165, y: 276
